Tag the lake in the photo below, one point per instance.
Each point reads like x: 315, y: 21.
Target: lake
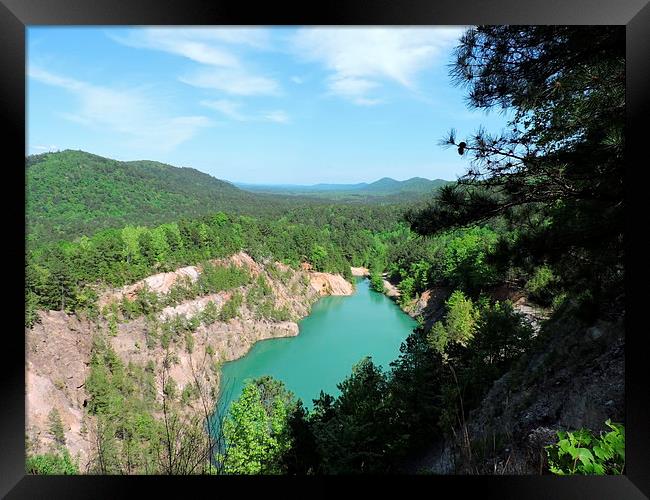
x: 338, y: 333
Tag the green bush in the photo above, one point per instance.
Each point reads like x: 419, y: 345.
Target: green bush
x: 542, y: 286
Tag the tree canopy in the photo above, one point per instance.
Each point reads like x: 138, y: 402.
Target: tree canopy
x: 556, y: 174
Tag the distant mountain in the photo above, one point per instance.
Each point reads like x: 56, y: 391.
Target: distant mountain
x: 383, y: 187
x: 71, y: 193
x: 298, y: 188
x: 386, y: 185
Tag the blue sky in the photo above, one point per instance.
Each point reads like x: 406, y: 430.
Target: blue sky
x: 259, y: 105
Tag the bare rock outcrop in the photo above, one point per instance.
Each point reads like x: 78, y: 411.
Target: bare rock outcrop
x: 57, y: 364
x: 360, y: 271
x: 330, y: 284
x: 575, y: 379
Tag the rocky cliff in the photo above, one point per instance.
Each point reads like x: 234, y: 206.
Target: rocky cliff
x: 59, y: 346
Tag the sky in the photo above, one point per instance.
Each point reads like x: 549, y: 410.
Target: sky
x: 262, y: 105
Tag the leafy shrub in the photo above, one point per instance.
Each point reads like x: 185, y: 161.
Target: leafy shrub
x: 189, y: 342
x: 581, y: 452
x: 231, y: 308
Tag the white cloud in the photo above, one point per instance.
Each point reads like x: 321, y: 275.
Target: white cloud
x: 232, y: 81
x: 126, y: 111
x: 178, y: 42
x: 359, y: 59
x: 258, y: 38
x: 215, y: 48
x: 227, y: 107
x: 278, y: 116
x: 353, y: 88
x: 232, y: 109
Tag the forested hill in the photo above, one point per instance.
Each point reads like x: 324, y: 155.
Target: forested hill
x: 74, y: 193
x: 387, y: 186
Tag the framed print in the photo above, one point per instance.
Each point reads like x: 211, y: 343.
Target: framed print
x: 386, y: 240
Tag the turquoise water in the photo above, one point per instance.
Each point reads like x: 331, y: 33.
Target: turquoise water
x: 337, y: 334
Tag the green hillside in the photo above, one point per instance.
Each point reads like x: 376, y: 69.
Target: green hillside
x: 72, y: 193
x: 388, y: 186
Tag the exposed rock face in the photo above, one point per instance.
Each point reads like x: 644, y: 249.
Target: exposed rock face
x: 161, y: 283
x: 360, y: 271
x: 59, y: 347
x: 330, y: 284
x: 58, y: 355
x: 430, y: 305
x: 575, y: 380
x: 391, y: 290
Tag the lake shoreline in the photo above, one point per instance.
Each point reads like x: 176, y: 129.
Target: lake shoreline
x: 337, y: 333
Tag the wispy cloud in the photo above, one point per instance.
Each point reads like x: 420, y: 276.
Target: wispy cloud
x: 232, y: 109
x: 216, y: 50
x: 131, y: 112
x: 278, y: 116
x: 179, y: 43
x: 360, y: 59
x: 232, y: 81
x: 353, y: 88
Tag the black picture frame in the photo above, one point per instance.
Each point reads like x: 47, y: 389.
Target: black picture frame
x: 16, y: 15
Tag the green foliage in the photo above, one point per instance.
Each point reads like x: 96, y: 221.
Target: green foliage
x: 215, y: 279
x: 257, y: 429
x: 278, y: 274
x: 542, y: 286
x: 189, y: 342
x: 554, y: 177
x: 318, y: 257
x: 581, y: 452
x: 459, y: 259
x: 122, y: 399
x: 230, y: 309
x: 210, y: 313
x: 65, y: 275
x: 407, y: 290
x: 377, y: 281
x: 72, y: 192
x: 261, y: 300
x: 459, y: 325
x: 189, y: 393
x: 54, y: 463
x: 351, y: 431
